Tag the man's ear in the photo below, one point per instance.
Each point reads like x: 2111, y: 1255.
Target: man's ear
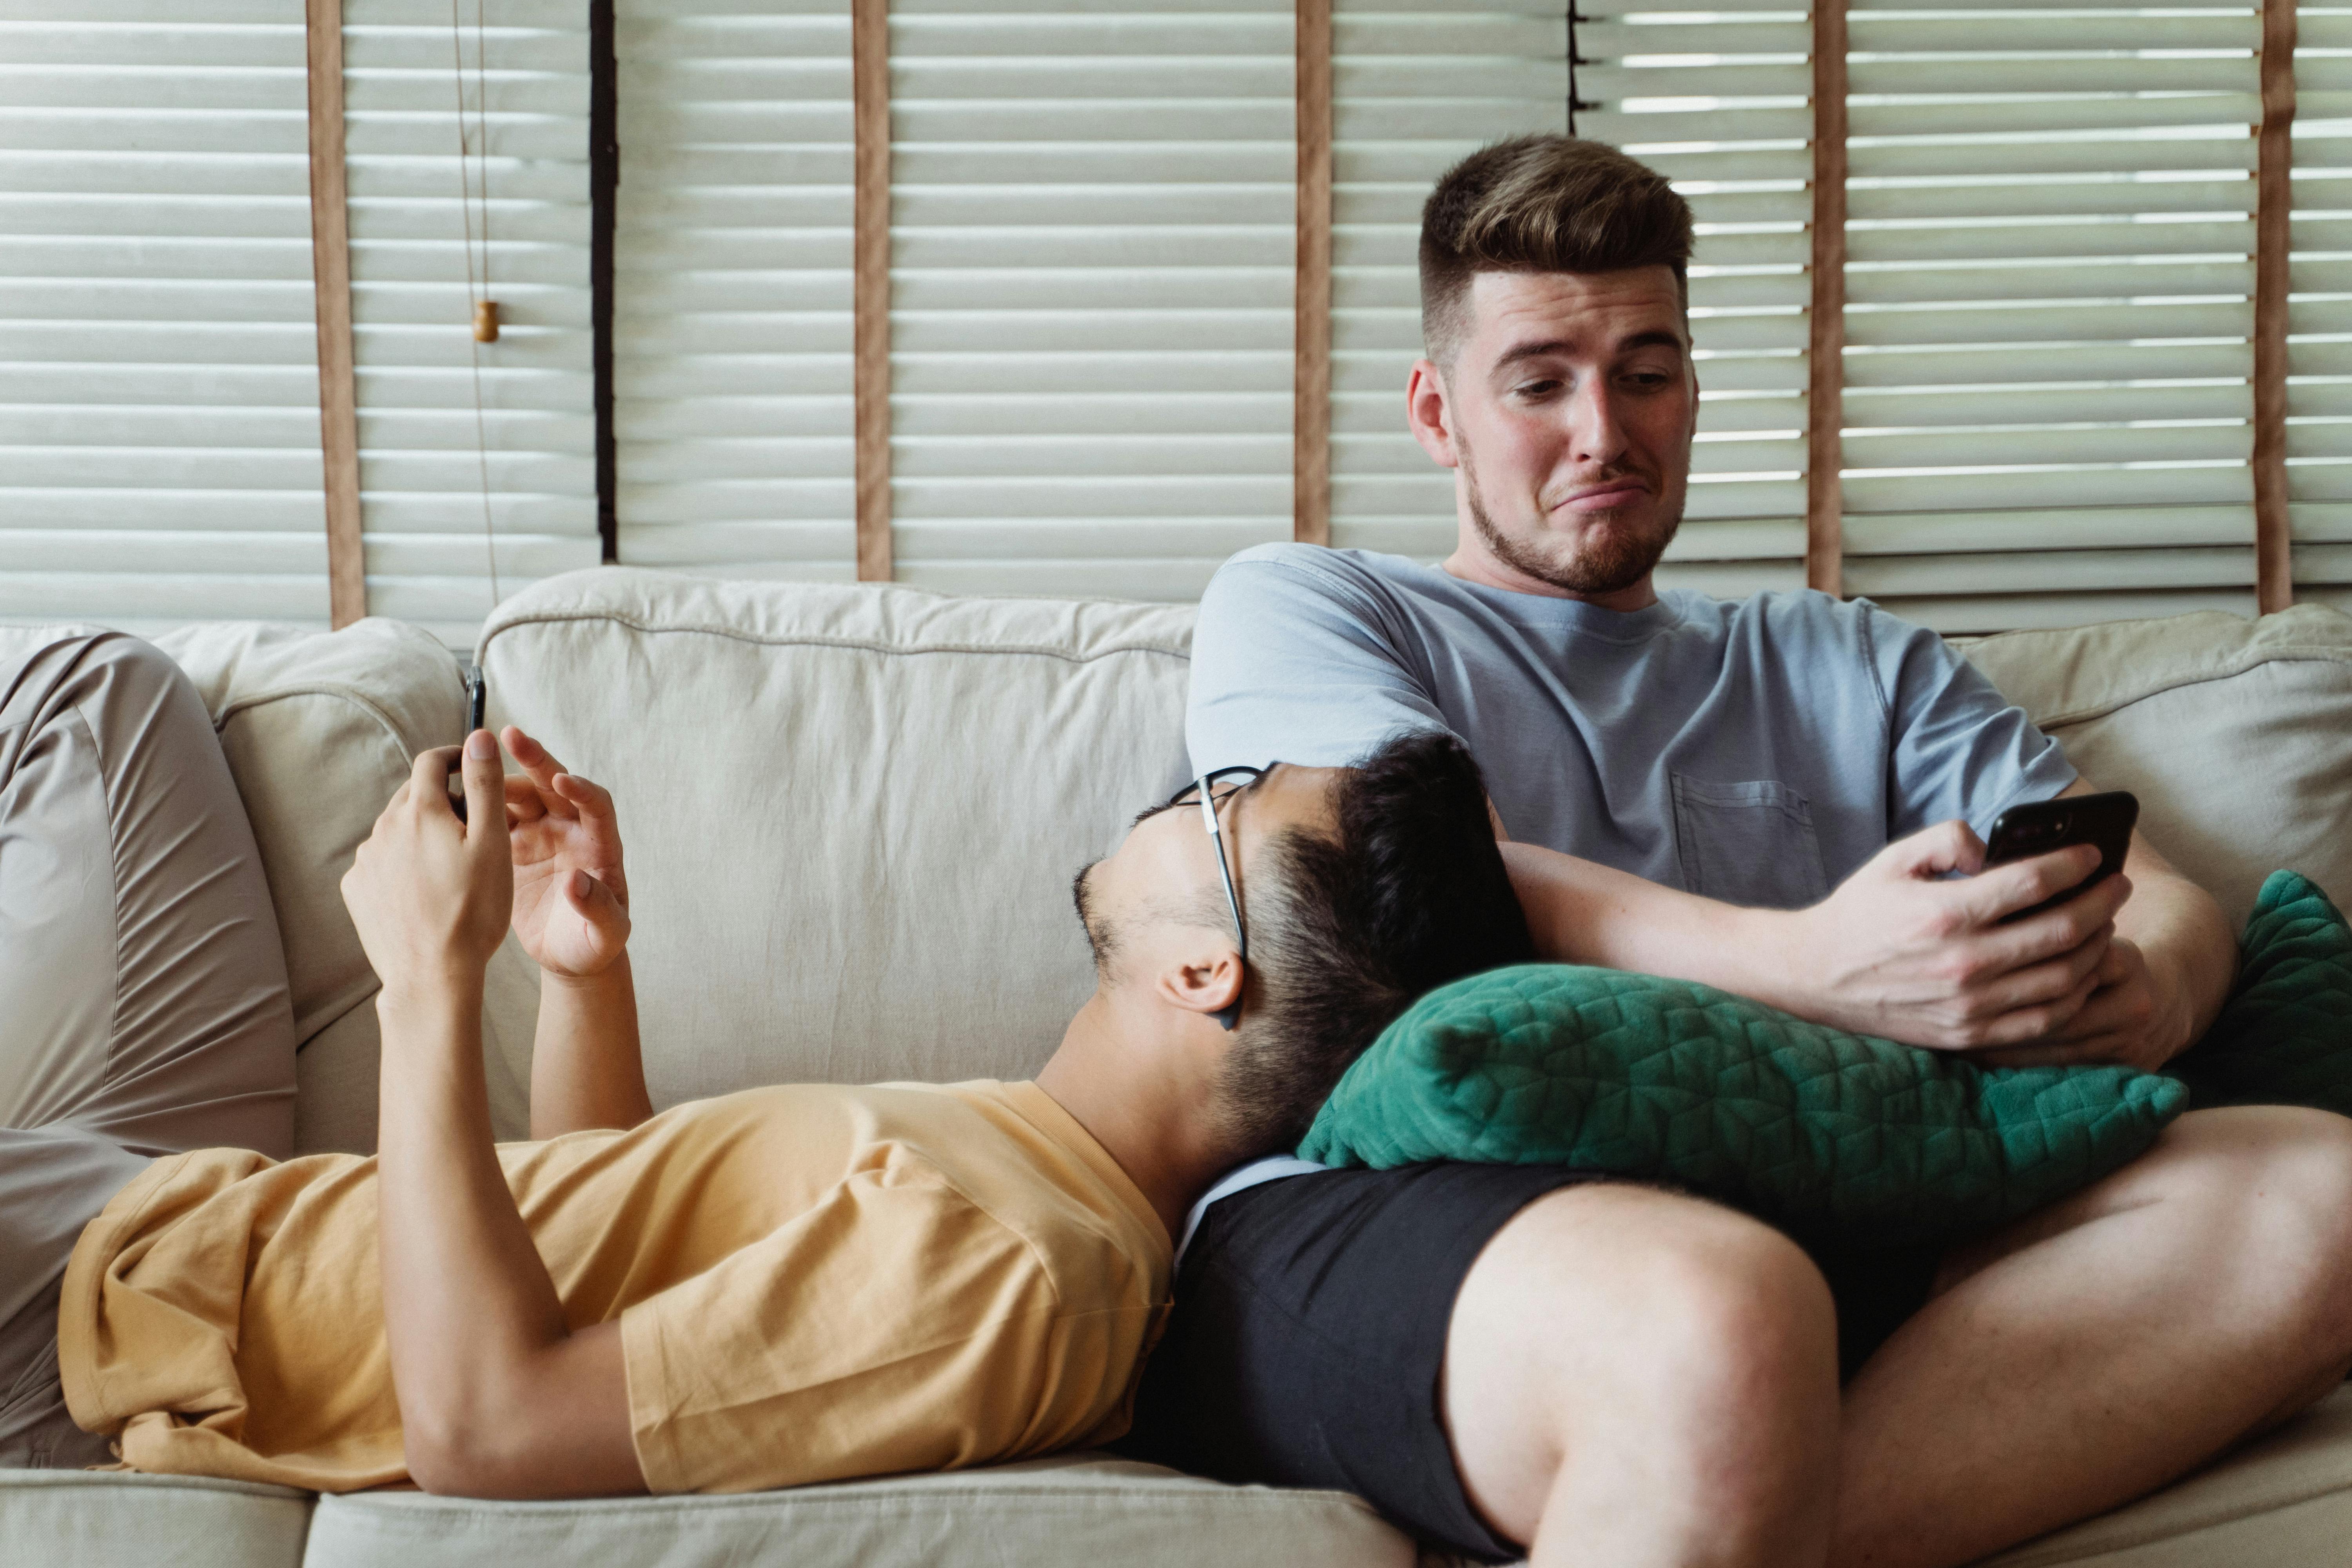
x: 1208, y: 979
x: 1429, y: 415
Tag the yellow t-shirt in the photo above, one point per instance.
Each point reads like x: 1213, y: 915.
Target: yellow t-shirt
x: 813, y: 1283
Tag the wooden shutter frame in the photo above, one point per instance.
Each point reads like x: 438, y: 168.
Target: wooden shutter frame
x: 2273, y: 240
x: 869, y: 49
x: 1311, y: 428
x: 331, y: 272
x: 1825, y: 344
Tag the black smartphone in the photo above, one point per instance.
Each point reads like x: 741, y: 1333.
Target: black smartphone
x: 2024, y: 831
x: 477, y: 687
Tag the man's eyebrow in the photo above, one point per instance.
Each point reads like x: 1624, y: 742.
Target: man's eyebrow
x: 1656, y: 338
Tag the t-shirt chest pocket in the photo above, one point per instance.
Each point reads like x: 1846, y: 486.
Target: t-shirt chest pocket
x: 1748, y: 844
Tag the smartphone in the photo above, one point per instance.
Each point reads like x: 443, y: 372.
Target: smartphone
x: 2024, y: 831
x: 476, y: 690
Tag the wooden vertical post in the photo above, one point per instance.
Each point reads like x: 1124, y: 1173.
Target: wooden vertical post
x: 1310, y: 427
x: 331, y: 282
x: 869, y: 50
x: 1825, y: 362
x: 2274, y: 238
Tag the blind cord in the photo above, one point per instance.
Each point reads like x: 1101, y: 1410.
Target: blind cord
x: 484, y: 310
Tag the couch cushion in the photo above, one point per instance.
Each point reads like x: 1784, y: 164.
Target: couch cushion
x: 1076, y: 1510
x: 83, y: 1519
x: 2235, y: 734
x: 852, y: 813
x: 320, y: 727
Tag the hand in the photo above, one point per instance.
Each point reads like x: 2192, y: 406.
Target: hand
x: 1900, y: 951
x: 2131, y: 1020
x: 429, y: 893
x: 570, y: 897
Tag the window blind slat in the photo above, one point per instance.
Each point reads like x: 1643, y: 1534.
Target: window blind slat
x: 1717, y: 102
x: 159, y: 392
x: 1415, y: 90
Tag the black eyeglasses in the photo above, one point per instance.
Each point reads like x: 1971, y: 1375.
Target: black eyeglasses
x: 1212, y: 790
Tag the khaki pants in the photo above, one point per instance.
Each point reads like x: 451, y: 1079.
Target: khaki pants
x: 143, y: 1006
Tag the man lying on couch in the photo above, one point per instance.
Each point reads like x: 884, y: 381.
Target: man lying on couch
x: 781, y: 1286
x: 1768, y: 796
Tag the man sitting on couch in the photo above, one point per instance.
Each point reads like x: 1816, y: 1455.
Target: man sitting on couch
x: 781, y: 1286
x: 1771, y: 796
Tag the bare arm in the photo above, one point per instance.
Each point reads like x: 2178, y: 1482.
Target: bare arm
x: 585, y: 1066
x: 1898, y: 951
x: 498, y: 1397
x: 571, y: 915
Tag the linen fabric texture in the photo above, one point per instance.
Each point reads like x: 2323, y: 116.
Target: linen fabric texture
x: 1755, y: 751
x: 813, y: 1282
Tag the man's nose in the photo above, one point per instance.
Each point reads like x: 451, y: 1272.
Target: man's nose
x: 1596, y: 432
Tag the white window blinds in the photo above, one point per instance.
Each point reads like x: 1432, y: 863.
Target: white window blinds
x: 2319, y: 312
x: 159, y: 391
x: 732, y: 287
x: 1716, y: 100
x: 1090, y: 323
x: 422, y: 469
x: 1414, y: 91
x: 2049, y: 313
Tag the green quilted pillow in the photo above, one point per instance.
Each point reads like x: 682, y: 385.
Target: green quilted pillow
x: 1831, y: 1135
x: 2285, y: 1037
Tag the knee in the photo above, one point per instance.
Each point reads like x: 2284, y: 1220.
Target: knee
x: 1741, y: 1323
x: 2275, y: 1190
x: 1718, y: 1327
x: 133, y: 664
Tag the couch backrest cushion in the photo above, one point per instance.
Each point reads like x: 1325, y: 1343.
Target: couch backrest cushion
x: 318, y: 727
x: 2236, y: 735
x: 851, y: 813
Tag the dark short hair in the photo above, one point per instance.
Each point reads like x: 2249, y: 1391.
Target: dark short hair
x: 1542, y: 204
x: 1346, y: 931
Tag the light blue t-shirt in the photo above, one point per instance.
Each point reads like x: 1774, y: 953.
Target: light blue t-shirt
x: 1755, y: 750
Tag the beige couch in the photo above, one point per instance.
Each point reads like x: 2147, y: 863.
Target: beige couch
x: 852, y: 815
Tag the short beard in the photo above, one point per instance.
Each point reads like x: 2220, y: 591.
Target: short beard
x: 1613, y: 566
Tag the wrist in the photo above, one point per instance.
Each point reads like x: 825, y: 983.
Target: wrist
x: 430, y: 995
x: 1764, y: 947
x: 595, y: 983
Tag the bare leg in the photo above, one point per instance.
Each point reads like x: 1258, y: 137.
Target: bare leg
x: 2112, y: 1343
x: 1634, y: 1378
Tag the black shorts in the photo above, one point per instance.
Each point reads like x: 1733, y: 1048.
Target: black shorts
x: 1310, y: 1323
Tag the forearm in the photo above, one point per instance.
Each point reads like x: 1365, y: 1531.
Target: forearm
x: 2181, y: 932
x: 587, y: 1069
x: 468, y: 1303
x: 1581, y: 913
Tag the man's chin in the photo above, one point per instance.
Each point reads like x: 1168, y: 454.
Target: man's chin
x: 1591, y: 553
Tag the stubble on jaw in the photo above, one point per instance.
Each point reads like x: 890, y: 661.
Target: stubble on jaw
x: 1621, y: 559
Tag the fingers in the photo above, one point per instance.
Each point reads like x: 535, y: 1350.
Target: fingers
x: 532, y: 757
x: 557, y: 792
x: 2028, y: 1024
x: 1934, y: 851
x: 2021, y: 884
x: 427, y: 789
x: 485, y: 794
x: 595, y: 901
x: 523, y: 802
x: 2052, y: 979
x: 593, y: 799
